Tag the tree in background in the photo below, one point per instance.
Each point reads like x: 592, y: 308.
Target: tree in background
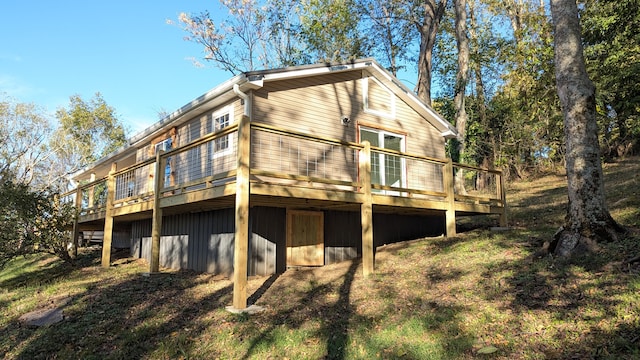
x: 588, y: 218
x: 612, y: 51
x: 427, y: 21
x: 330, y: 30
x: 239, y: 43
x: 88, y: 130
x: 32, y: 221
x: 514, y: 121
x: 24, y: 151
x: 35, y: 161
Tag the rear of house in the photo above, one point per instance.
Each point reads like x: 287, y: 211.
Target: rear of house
x: 309, y: 130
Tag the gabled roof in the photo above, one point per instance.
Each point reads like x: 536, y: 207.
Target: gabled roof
x: 252, y: 80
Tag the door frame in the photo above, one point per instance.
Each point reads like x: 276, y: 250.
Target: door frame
x: 319, y: 235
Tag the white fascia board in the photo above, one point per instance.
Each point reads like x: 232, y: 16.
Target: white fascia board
x: 310, y: 70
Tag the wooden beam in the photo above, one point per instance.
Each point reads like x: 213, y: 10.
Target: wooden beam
x: 76, y: 227
x: 284, y: 190
x: 241, y: 241
x: 108, y: 218
x: 504, y: 221
x: 366, y: 210
x: 450, y: 199
x: 156, y: 222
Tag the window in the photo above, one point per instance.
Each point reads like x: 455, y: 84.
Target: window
x: 220, y: 123
x: 386, y: 169
x: 165, y: 145
x: 220, y: 120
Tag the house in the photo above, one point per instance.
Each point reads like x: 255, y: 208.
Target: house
x: 301, y: 166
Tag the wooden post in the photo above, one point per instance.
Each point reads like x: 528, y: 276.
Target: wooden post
x: 366, y: 210
x: 108, y: 218
x: 156, y: 222
x: 448, y: 180
x: 241, y: 241
x: 92, y: 191
x: 76, y: 226
x: 503, y: 197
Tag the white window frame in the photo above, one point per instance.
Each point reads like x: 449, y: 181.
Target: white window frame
x: 381, y: 158
x: 227, y: 110
x: 164, y: 145
x: 365, y: 99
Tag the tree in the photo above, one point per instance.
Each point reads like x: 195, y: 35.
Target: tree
x: 30, y: 218
x: 23, y: 145
x: 462, y: 76
x: 330, y: 30
x: 88, y: 130
x: 238, y: 43
x: 612, y: 51
x: 588, y: 219
x: 427, y: 22
x: 391, y: 33
x: 32, y: 221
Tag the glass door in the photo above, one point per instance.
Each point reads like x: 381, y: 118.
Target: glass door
x: 386, y: 169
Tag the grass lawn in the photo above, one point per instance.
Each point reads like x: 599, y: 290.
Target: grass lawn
x: 480, y: 295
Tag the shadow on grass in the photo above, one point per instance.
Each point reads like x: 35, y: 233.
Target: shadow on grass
x: 580, y: 299
x: 131, y: 318
x: 334, y: 317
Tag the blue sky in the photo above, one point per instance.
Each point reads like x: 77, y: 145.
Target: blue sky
x: 50, y: 50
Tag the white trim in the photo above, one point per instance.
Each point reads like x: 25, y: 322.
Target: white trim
x: 165, y: 145
x: 403, y: 165
x: 227, y: 110
x: 365, y: 99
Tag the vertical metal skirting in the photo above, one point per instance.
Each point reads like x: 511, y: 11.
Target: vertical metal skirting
x: 342, y: 232
x: 204, y: 241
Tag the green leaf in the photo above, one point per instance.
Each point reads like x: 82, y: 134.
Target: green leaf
x: 488, y: 350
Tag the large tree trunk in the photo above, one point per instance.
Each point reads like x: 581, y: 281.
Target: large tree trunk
x: 588, y: 219
x: 428, y: 28
x: 462, y: 78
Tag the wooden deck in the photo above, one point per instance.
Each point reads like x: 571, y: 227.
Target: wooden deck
x: 267, y: 166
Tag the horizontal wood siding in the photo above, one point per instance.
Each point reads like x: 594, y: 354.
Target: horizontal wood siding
x: 197, y: 162
x: 204, y: 241
x: 315, y: 105
x: 311, y: 105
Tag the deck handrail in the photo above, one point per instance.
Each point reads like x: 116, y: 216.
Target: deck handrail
x: 406, y: 190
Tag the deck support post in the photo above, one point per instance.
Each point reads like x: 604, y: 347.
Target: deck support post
x: 450, y: 216
x: 366, y: 210
x: 108, y: 218
x: 156, y: 222
x: 241, y: 240
x: 502, y: 194
x: 76, y: 227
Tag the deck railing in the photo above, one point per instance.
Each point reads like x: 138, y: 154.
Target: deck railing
x: 286, y: 157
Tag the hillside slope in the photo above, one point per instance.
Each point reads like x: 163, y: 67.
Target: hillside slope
x: 479, y: 295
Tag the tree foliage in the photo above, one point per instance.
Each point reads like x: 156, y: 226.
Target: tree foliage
x: 514, y: 117
x: 32, y: 221
x: 24, y: 151
x: 88, y: 130
x: 612, y: 50
x: 35, y: 161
